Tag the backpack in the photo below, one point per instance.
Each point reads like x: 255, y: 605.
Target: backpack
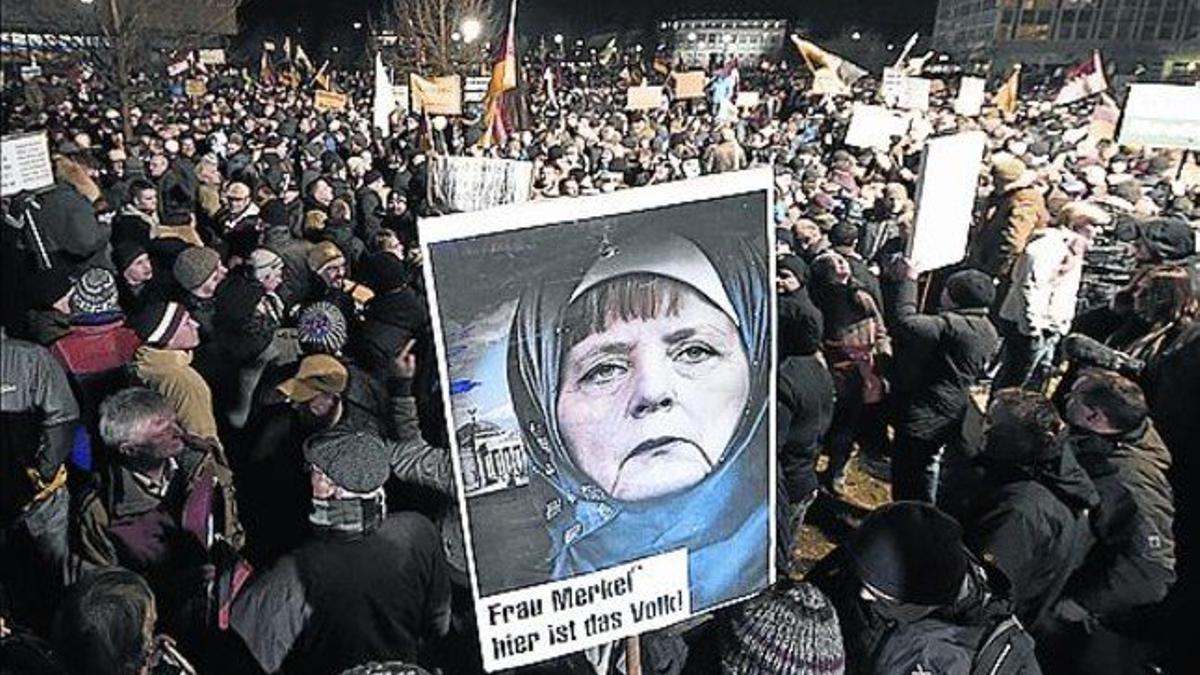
x: 1005, y: 650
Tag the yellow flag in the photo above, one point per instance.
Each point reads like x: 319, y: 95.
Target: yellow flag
x: 1006, y: 97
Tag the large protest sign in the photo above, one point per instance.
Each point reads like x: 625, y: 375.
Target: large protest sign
x: 690, y: 84
x: 475, y: 89
x: 971, y: 95
x: 945, y: 199
x: 644, y: 98
x: 25, y: 160
x: 476, y: 183
x: 748, y: 99
x: 1162, y: 116
x: 437, y: 96
x: 914, y: 94
x: 329, y: 100
x: 585, y: 521
x: 874, y: 126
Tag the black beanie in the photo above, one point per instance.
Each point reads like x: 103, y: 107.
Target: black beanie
x: 47, y: 287
x: 125, y: 252
x: 383, y: 272
x: 912, y: 552
x: 237, y: 298
x: 274, y: 213
x: 156, y: 322
x: 843, y: 234
x: 971, y: 289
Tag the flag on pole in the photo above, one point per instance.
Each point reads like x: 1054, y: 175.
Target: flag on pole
x: 504, y: 79
x: 827, y: 66
x: 608, y: 53
x: 302, y: 59
x: 1083, y: 80
x: 265, y: 72
x: 384, y: 101
x: 1006, y: 97
x: 916, y: 65
x: 912, y: 41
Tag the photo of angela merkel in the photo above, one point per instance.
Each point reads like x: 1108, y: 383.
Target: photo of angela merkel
x: 642, y: 398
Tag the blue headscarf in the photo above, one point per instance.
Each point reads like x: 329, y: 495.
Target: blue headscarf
x: 723, y: 521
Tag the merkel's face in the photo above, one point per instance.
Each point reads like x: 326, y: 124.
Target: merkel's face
x: 647, y: 407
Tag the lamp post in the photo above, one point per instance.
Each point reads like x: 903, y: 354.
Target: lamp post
x: 471, y: 28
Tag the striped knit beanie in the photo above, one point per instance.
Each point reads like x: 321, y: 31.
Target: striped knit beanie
x: 790, y: 630
x: 95, y: 293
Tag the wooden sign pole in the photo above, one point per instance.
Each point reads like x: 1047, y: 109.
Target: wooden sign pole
x: 633, y: 655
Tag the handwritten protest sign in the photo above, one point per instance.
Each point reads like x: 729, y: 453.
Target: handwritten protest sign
x: 475, y: 89
x: 437, y: 96
x: 561, y: 555
x: 1162, y: 116
x: 329, y: 100
x: 25, y: 160
x: 748, y: 99
x: 211, y: 57
x: 945, y: 199
x: 890, y: 86
x: 195, y: 88
x: 400, y: 95
x: 914, y: 94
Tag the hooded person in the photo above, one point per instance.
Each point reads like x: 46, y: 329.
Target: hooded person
x: 628, y: 464
x: 911, y: 598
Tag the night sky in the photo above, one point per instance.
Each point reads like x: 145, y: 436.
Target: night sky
x: 322, y: 21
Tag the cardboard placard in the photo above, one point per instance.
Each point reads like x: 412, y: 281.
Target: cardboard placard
x: 945, y: 200
x: 690, y: 84
x: 211, y: 57
x: 914, y: 94
x: 324, y: 101
x: 30, y: 72
x: 748, y: 99
x: 645, y: 98
x: 464, y: 184
x: 178, y: 68
x: 874, y: 126
x: 892, y: 83
x: 25, y: 163
x: 475, y: 89
x: 566, y: 554
x: 1162, y: 116
x: 195, y: 88
x: 438, y: 96
x: 971, y: 96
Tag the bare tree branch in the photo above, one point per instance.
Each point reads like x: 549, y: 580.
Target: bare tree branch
x: 429, y: 27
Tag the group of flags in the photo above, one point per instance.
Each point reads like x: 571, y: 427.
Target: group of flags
x: 288, y: 66
x: 833, y: 74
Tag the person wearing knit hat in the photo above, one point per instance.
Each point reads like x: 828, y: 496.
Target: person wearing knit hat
x: 1164, y: 240
x: 169, y: 335
x: 50, y: 289
x: 792, y: 629
x: 268, y: 268
x: 95, y: 294
x: 322, y: 329
x: 327, y: 261
x: 961, y: 338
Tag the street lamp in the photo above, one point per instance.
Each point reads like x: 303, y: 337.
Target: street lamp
x: 891, y: 47
x: 471, y: 28
x: 558, y: 39
x: 856, y: 35
x: 357, y: 25
x: 691, y: 37
x: 456, y: 36
x: 335, y: 49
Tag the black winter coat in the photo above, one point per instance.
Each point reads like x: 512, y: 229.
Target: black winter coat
x: 937, y: 358
x: 1035, y: 529
x: 1133, y: 562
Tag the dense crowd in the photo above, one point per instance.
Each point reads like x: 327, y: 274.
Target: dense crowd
x: 223, y: 423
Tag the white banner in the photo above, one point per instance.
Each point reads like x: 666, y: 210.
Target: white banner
x: 946, y: 199
x: 1162, y: 116
x: 748, y: 99
x: 25, y: 163
x: 971, y: 95
x: 892, y: 83
x: 874, y: 126
x: 465, y: 184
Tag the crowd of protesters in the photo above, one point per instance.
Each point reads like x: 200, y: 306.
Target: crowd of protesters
x: 222, y: 422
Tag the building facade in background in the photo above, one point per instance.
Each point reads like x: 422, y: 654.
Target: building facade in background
x: 698, y: 40
x: 1162, y: 36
